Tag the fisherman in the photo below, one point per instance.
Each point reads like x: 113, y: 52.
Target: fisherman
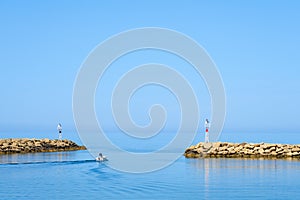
x: 59, y: 128
x: 207, y: 126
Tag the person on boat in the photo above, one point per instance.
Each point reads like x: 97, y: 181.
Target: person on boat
x: 101, y: 157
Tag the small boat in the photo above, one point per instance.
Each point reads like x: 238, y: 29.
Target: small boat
x: 101, y: 158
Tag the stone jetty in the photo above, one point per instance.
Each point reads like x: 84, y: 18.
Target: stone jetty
x: 242, y: 150
x: 36, y: 145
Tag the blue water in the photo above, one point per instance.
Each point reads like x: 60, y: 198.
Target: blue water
x: 75, y: 175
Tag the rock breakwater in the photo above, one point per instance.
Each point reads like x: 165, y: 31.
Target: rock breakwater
x: 25, y: 145
x: 242, y: 150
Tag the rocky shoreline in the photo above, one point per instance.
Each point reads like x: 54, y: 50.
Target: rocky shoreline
x: 243, y: 150
x: 24, y: 145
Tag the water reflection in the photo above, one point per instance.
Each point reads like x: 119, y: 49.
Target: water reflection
x: 206, y: 164
x: 206, y: 177
x: 232, y: 173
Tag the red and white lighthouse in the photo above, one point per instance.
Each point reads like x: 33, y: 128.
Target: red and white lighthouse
x: 207, y: 125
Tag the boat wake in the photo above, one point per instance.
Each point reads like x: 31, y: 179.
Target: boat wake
x: 48, y: 162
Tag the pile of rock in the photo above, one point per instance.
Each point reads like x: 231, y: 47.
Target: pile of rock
x: 242, y: 150
x: 36, y: 145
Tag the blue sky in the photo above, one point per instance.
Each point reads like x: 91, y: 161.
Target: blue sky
x: 255, y: 45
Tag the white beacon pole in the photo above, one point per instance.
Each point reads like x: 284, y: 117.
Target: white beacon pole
x: 207, y: 125
x: 59, y: 128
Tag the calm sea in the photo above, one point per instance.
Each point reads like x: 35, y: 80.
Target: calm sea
x: 75, y: 175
